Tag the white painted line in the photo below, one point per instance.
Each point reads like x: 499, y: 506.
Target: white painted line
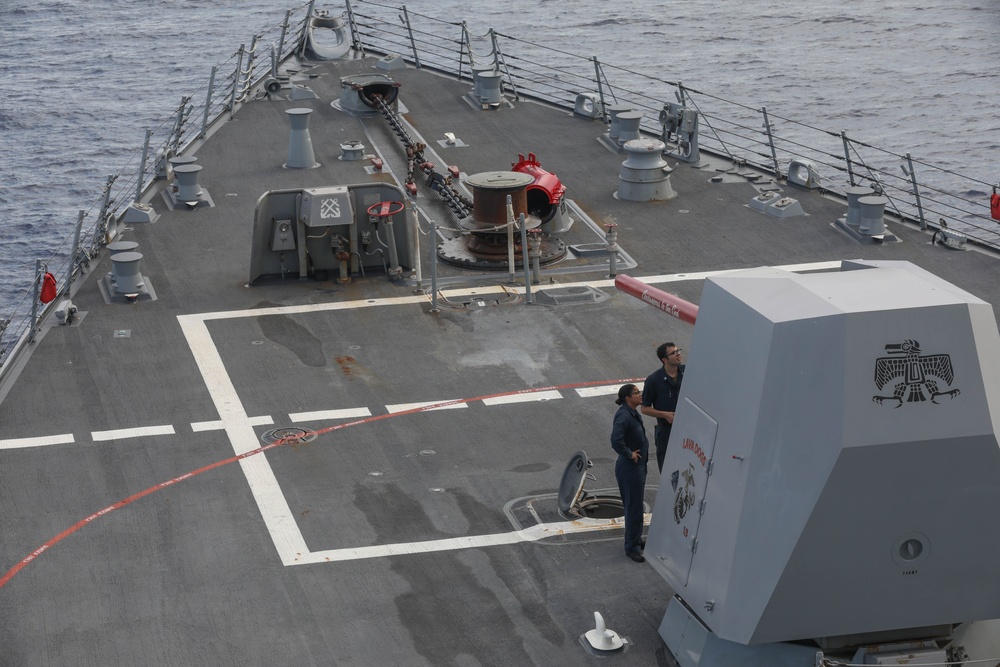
x: 403, y: 407
x: 701, y: 275
x: 602, y: 390
x: 308, y: 308
x: 278, y: 517
x: 424, y: 298
x: 523, y: 398
x: 347, y: 413
x: 274, y: 509
x: 530, y: 534
x: 41, y: 441
x: 198, y: 427
x: 217, y: 425
x: 122, y: 433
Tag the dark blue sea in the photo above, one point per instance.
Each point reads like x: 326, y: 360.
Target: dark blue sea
x: 82, y: 81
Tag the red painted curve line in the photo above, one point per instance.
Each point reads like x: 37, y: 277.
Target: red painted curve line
x: 12, y: 572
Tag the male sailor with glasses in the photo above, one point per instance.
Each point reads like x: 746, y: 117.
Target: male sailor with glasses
x: 659, y: 396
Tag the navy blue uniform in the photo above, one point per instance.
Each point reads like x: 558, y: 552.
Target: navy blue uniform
x: 661, y: 392
x: 628, y: 435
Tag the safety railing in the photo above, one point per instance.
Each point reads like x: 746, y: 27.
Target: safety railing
x: 748, y: 136
x: 228, y: 86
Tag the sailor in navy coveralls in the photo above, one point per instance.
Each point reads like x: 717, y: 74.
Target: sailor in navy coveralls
x: 628, y: 439
x: 659, y: 396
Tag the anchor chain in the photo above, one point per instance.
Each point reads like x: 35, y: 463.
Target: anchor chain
x: 443, y: 184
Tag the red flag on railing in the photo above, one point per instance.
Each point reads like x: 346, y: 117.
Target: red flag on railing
x: 995, y: 204
x: 48, y: 288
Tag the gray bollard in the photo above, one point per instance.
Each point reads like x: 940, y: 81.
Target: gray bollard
x: 489, y: 88
x: 628, y: 126
x: 871, y: 222
x: 853, y: 207
x: 125, y: 274
x: 177, y: 161
x: 186, y: 177
x: 478, y: 71
x: 613, y: 112
x: 122, y: 246
x: 117, y: 248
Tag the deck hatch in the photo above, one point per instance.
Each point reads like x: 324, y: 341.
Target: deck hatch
x: 288, y: 435
x: 575, y: 501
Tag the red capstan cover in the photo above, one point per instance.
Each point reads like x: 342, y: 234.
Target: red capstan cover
x: 545, y: 181
x: 48, y: 288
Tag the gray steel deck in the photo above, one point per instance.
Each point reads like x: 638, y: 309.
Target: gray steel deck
x: 385, y: 541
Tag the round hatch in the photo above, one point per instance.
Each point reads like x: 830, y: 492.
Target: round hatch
x: 572, y: 481
x: 574, y: 501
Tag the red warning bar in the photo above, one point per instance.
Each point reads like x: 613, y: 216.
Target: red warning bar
x: 668, y: 303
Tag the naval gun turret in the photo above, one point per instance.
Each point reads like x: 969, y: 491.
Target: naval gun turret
x: 831, y: 483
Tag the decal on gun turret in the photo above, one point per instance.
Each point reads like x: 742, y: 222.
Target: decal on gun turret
x: 684, y: 498
x: 914, y: 372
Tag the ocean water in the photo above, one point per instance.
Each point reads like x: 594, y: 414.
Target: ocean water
x: 83, y: 81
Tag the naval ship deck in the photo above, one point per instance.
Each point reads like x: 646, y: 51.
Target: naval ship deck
x: 143, y: 525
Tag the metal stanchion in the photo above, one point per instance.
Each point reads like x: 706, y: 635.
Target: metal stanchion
x: 535, y: 251
x: 434, y: 268
x: 527, y: 264
x: 611, y: 234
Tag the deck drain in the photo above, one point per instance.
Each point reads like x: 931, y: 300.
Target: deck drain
x: 288, y: 435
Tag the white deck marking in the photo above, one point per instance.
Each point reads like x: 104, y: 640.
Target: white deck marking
x: 217, y: 425
x: 602, y: 390
x: 423, y: 298
x: 320, y: 415
x: 271, y: 502
x: 41, y: 441
x: 403, y: 407
x: 274, y: 509
x: 529, y: 534
x: 523, y: 398
x: 122, y: 433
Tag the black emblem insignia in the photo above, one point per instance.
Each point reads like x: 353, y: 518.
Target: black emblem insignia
x: 684, y: 499
x: 914, y: 373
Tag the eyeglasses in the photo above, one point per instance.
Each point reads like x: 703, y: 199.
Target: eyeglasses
x: 637, y: 393
x: 677, y: 351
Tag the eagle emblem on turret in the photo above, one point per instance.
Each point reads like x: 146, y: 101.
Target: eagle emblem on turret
x: 916, y: 376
